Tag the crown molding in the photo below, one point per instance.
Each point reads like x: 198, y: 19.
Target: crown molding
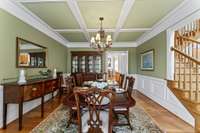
x: 186, y: 8
x: 115, y: 45
x: 19, y: 11
x: 126, y: 8
x: 188, y: 20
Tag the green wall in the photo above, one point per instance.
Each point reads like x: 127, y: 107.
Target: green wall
x: 132, y: 67
x: 10, y: 28
x: 159, y: 44
x: 59, y: 56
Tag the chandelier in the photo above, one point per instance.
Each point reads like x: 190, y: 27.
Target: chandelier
x: 101, y: 41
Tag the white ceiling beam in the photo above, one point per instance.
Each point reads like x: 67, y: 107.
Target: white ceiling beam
x: 68, y: 30
x: 135, y: 30
x: 73, y: 5
x: 96, y: 30
x: 17, y: 10
x: 107, y: 30
x: 39, y: 1
x: 114, y: 45
x: 128, y: 4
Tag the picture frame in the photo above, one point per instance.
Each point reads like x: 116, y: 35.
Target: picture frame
x: 147, y: 60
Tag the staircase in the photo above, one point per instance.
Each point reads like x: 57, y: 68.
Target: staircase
x: 186, y: 83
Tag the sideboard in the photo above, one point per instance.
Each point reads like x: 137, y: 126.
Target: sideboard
x: 33, y: 89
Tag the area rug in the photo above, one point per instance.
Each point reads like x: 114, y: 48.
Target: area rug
x: 56, y: 122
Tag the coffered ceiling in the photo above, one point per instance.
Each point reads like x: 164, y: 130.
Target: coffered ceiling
x: 78, y: 20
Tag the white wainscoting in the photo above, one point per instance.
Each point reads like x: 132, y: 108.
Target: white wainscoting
x: 157, y: 90
x: 12, y: 113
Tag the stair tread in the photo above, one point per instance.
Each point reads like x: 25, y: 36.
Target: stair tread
x: 187, y: 74
x: 186, y: 90
x: 191, y: 101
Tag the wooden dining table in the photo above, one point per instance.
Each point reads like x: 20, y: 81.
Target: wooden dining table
x: 122, y: 99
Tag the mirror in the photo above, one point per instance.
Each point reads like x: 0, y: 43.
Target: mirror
x: 30, y: 55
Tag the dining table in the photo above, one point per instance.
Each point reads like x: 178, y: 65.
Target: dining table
x: 122, y: 99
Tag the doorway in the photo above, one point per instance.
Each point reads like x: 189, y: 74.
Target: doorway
x: 116, y: 61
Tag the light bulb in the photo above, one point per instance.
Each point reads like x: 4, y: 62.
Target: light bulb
x: 98, y: 36
x: 108, y: 38
x: 92, y: 40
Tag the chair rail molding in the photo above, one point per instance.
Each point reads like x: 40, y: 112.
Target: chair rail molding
x: 157, y: 90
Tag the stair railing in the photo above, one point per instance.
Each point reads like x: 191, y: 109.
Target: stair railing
x: 187, y: 65
x: 190, y: 29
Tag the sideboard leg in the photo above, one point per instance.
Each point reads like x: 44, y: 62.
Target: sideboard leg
x: 20, y: 115
x: 60, y: 92
x: 42, y: 106
x: 4, y: 115
x: 52, y: 94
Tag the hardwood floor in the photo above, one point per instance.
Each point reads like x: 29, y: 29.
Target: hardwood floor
x: 165, y: 120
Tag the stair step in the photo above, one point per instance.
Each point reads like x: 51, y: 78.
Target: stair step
x: 188, y: 74
x: 193, y: 105
x: 186, y: 85
x: 193, y: 82
x: 187, y: 78
x: 187, y: 90
x: 182, y: 64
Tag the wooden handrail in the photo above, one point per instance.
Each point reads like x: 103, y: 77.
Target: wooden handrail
x: 189, y: 39
x: 182, y: 53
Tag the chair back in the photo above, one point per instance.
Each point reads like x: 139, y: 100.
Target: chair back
x: 94, y: 99
x: 130, y: 83
x: 69, y: 85
x: 125, y: 87
x: 117, y: 76
x: 121, y: 80
x: 105, y: 76
x: 79, y: 79
x: 73, y: 81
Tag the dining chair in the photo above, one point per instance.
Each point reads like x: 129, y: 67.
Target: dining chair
x: 79, y: 79
x: 69, y: 101
x: 63, y: 83
x: 97, y: 119
x: 105, y: 76
x: 102, y: 76
x: 131, y: 82
x: 121, y: 88
x: 124, y: 101
x: 117, y: 76
x: 121, y: 80
x: 68, y: 85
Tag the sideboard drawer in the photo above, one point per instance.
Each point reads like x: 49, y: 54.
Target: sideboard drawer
x: 54, y: 85
x: 32, y: 91
x: 48, y: 87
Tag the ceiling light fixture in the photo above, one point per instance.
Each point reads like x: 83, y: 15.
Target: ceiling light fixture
x: 102, y: 41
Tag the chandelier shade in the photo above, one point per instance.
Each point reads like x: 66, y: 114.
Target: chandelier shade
x: 101, y: 41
